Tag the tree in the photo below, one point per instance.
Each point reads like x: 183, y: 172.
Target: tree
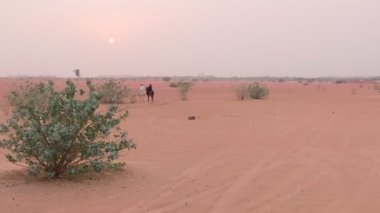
x: 65, y: 135
x: 77, y: 74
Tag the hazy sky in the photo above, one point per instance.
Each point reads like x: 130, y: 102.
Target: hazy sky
x: 190, y: 37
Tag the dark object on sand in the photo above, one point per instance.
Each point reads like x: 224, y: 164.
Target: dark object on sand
x: 150, y: 92
x: 191, y: 117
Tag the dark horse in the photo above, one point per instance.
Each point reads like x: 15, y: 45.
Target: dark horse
x: 150, y: 92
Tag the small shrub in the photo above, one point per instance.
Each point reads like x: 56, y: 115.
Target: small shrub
x: 65, y: 135
x: 183, y: 88
x: 36, y: 94
x: 257, y: 90
x: 340, y: 82
x: 173, y: 84
x: 242, y: 91
x: 112, y: 92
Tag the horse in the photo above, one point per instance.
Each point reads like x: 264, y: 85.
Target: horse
x: 150, y: 92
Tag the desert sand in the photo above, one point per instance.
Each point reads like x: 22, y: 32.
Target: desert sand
x: 304, y: 149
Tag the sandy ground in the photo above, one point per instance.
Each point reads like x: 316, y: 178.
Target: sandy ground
x: 311, y: 148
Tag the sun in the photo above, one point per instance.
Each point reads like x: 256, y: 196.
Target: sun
x: 111, y: 40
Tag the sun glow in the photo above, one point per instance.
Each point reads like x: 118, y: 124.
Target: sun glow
x: 111, y: 40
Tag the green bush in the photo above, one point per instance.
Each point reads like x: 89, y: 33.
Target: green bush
x: 257, y: 90
x: 113, y: 92
x: 64, y: 136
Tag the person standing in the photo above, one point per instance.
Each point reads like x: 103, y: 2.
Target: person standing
x: 142, y: 91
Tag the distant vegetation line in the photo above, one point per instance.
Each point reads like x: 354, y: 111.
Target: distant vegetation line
x: 207, y: 78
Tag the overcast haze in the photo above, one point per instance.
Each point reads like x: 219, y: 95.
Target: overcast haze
x: 306, y: 38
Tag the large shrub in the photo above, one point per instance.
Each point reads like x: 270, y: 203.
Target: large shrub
x: 64, y: 136
x: 113, y: 92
